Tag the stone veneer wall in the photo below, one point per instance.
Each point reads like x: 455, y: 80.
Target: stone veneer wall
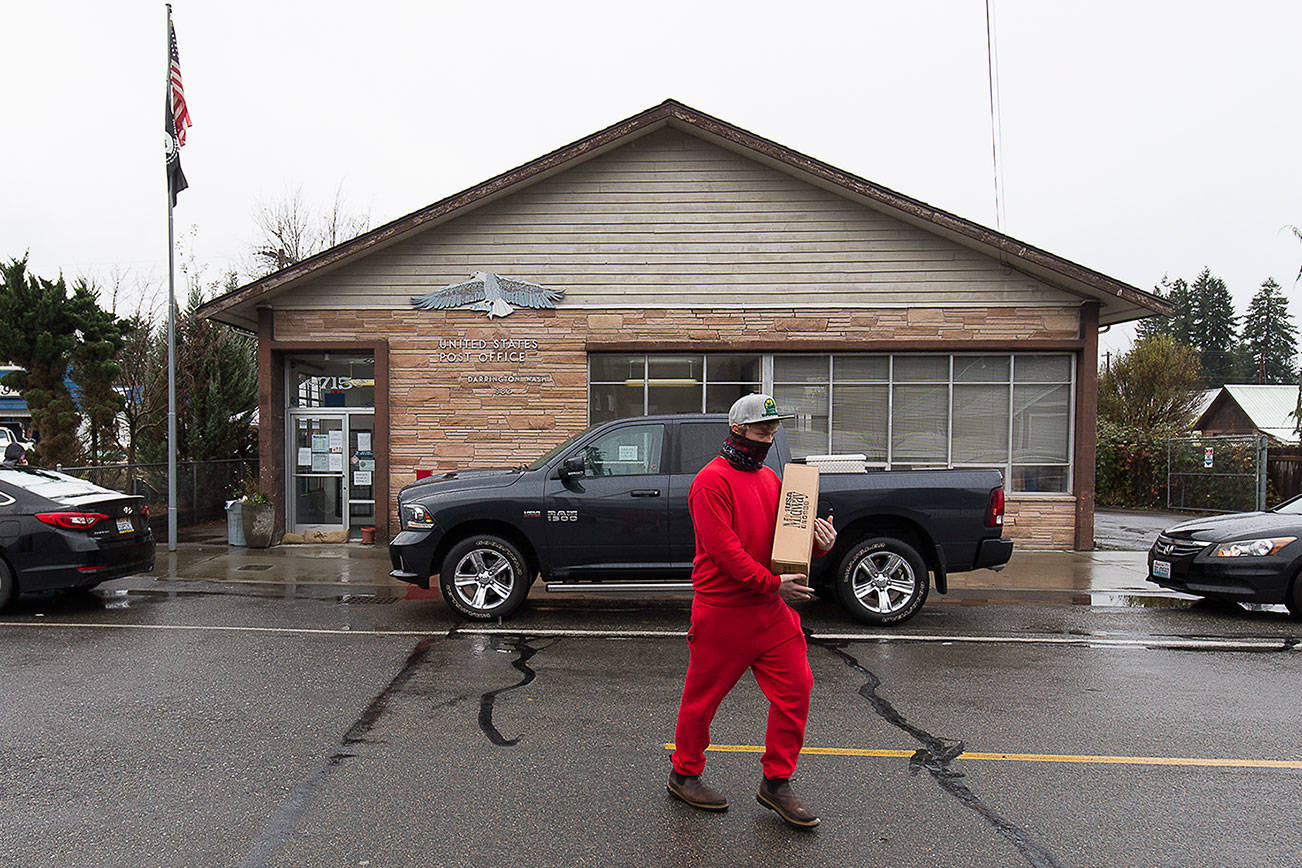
x: 447, y: 410
x: 1040, y: 521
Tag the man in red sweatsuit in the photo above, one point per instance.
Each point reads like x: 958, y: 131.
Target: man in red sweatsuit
x: 739, y: 619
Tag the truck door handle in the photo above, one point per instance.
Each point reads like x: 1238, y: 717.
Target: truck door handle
x: 646, y: 492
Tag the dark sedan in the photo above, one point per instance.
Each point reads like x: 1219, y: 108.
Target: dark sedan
x: 58, y: 532
x: 1251, y: 557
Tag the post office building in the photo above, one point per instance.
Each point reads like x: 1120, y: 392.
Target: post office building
x: 671, y: 263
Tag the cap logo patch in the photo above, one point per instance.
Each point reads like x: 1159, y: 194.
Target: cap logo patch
x: 770, y: 409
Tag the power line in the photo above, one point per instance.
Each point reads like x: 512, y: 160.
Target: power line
x: 996, y: 124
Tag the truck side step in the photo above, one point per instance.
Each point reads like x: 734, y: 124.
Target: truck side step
x: 619, y: 587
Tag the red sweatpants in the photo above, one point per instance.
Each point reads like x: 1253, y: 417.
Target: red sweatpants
x: 725, y: 642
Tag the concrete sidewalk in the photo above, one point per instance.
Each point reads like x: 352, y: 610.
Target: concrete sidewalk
x: 204, y: 556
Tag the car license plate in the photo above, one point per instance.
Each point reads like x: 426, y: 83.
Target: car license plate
x: 124, y: 525
x: 1162, y: 569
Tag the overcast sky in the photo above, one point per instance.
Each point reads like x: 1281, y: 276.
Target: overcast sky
x: 1140, y: 138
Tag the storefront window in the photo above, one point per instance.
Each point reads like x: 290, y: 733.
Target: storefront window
x: 622, y: 385
x: 1041, y: 422
x: 331, y: 380
x: 1012, y: 412
x: 675, y: 384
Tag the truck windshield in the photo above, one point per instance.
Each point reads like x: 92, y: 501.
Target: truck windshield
x: 541, y: 462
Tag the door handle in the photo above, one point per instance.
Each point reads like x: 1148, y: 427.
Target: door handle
x: 646, y: 492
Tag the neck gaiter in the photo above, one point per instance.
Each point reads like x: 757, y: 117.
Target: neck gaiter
x: 744, y: 454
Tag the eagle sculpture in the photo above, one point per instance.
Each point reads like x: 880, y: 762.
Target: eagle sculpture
x: 489, y: 292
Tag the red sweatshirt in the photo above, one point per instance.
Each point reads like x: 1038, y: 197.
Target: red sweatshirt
x: 734, y: 514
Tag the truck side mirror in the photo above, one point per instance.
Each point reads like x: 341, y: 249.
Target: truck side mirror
x: 572, y: 467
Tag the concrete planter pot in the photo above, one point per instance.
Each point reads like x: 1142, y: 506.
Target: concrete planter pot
x: 259, y: 520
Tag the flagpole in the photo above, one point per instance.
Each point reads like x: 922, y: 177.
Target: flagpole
x: 171, y: 332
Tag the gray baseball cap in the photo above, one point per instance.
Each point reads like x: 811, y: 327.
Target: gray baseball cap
x: 755, y: 408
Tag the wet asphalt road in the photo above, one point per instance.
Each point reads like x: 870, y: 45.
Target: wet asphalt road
x: 186, y: 723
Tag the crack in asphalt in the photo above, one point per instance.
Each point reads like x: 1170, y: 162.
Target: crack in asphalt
x: 935, y: 756
x: 520, y: 644
x: 285, y: 821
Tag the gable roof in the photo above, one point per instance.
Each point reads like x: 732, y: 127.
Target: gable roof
x: 1269, y: 408
x: 1119, y: 302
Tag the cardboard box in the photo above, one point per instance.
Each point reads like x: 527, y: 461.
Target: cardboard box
x: 793, y: 540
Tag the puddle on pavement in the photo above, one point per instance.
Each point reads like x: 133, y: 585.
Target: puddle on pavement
x: 1122, y: 599
x: 119, y: 599
x: 374, y: 599
x: 1116, y: 599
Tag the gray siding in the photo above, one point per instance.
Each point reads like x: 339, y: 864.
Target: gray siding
x: 672, y: 220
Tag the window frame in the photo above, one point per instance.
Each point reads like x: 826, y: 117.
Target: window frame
x: 768, y: 364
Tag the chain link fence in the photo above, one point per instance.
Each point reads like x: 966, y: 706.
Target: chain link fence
x: 202, y: 487
x: 1216, y: 474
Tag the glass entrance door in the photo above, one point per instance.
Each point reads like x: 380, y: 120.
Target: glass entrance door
x: 362, y: 468
x: 334, y: 461
x: 318, y: 493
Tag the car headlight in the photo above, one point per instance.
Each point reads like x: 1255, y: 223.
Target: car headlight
x: 1252, y: 547
x: 417, y: 516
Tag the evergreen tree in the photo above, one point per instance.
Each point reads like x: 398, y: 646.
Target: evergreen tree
x: 1213, y: 330
x: 1270, y: 336
x: 39, y: 323
x: 96, y: 371
x: 1180, y: 324
x: 1152, y: 326
x: 216, y: 388
x: 221, y: 387
x: 144, y: 381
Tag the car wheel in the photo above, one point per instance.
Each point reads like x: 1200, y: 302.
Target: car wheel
x: 1294, y: 598
x: 484, y: 577
x: 882, y: 580
x: 8, y: 587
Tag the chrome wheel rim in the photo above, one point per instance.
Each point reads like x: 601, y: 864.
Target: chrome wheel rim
x: 883, y: 582
x: 483, y: 579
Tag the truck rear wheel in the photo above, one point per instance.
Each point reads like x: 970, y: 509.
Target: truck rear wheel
x: 483, y: 577
x: 882, y: 581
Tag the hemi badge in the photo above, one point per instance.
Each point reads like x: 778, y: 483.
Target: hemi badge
x: 533, y: 513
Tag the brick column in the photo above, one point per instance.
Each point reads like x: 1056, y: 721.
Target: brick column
x: 1087, y: 405
x: 271, y: 417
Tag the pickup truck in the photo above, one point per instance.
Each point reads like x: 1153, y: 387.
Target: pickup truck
x: 609, y: 507
x: 7, y: 436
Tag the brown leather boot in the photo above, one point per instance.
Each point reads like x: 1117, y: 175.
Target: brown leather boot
x: 695, y: 793
x: 777, y: 795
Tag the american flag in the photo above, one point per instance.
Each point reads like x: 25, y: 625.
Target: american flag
x: 180, y: 114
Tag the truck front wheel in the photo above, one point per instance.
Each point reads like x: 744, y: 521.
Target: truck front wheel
x: 484, y: 577
x: 882, y: 580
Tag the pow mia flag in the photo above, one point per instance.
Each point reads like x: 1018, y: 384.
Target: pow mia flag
x: 177, y: 116
x: 172, y: 151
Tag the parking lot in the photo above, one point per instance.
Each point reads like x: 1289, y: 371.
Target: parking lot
x: 328, y: 721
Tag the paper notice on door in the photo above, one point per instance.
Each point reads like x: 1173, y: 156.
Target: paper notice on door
x: 363, y: 441
x: 320, y: 462
x: 628, y: 453
x: 361, y: 477
x: 304, y: 456
x: 320, y: 443
x: 366, y: 464
x: 336, y: 441
x: 336, y: 462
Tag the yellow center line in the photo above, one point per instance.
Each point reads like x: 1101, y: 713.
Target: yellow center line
x: 1031, y: 757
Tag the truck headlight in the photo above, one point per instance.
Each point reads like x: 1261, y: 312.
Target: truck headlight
x: 416, y: 516
x: 1252, y: 547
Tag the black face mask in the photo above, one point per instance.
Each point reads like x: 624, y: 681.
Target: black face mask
x: 744, y: 454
